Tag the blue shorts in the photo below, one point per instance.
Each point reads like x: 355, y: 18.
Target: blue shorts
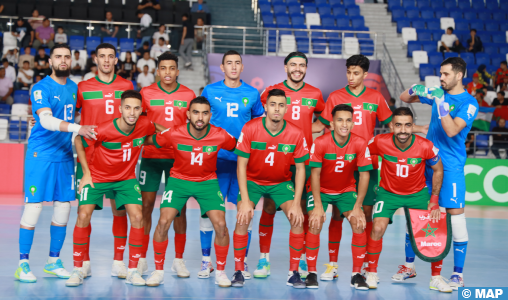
x: 228, y: 181
x: 49, y: 181
x: 453, y: 189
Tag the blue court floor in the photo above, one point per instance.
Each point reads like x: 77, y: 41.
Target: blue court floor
x: 486, y: 260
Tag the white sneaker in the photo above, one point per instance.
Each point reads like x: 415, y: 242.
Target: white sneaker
x: 438, y: 283
x: 404, y: 273
x: 56, y: 268
x: 156, y: 279
x: 222, y: 279
x: 24, y: 274
x: 180, y: 269
x: 372, y: 280
x: 119, y: 269
x: 76, y: 278
x: 86, y: 269
x: 143, y: 266
x: 456, y: 281
x: 245, y: 273
x: 206, y: 269
x: 263, y: 268
x: 134, y: 278
x: 331, y: 272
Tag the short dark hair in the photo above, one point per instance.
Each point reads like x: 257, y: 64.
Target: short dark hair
x: 275, y: 92
x: 185, y: 15
x: 295, y: 54
x: 131, y: 94
x: 5, y: 60
x: 161, y: 38
x: 504, y: 62
x: 59, y: 27
x: 146, y: 43
x: 28, y: 47
x: 105, y: 46
x: 342, y: 107
x: 501, y: 92
x: 450, y: 28
x: 45, y: 19
x: 230, y: 52
x: 199, y: 100
x: 358, y: 60
x: 40, y: 48
x: 26, y: 62
x: 403, y: 111
x: 472, y: 29
x: 167, y: 56
x: 458, y: 64
x: 93, y: 52
x: 59, y: 46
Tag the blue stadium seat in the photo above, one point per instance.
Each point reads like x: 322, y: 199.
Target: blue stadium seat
x: 265, y: 8
x: 437, y: 69
x: 468, y: 57
x: 335, y: 47
x: 413, y: 46
x: 456, y: 14
x: 32, y: 51
x: 339, y: 11
x: 319, y: 45
x: 418, y: 24
x: 424, y: 35
x: 274, y: 2
x: 450, y: 54
x: 302, y: 45
x: 76, y: 42
x: 486, y: 16
x: 470, y: 70
x: 435, y: 57
x: 450, y: 4
x: 491, y: 4
x: 491, y: 69
x: 482, y: 143
x: 466, y: 81
x: 499, y: 15
x: 17, y: 130
x: 110, y: 40
x: 442, y: 13
x: 398, y: 14
x: 462, y: 35
x: 267, y: 18
x: 277, y: 9
x: 335, y: 3
x: 499, y: 37
x: 491, y: 26
x: 427, y: 14
x: 348, y: 2
x: 429, y: 46
x: 403, y: 23
x: 478, y: 4
x: 503, y: 48
x: 464, y: 4
x: 433, y: 24
x: 294, y: 10
x: 470, y: 15
x: 300, y: 34
x: 21, y: 96
x: 367, y: 49
x: 491, y: 48
x: 297, y: 20
x: 311, y: 8
x: 316, y: 34
x: 126, y: 44
x: 422, y: 3
x: 358, y: 22
x: 486, y: 36
x: 426, y: 70
x: 325, y: 10
x: 393, y: 4
x: 282, y: 19
x: 436, y: 34
x: 477, y: 24
x: 353, y: 11
x: 92, y: 42
x: 497, y: 59
x: 503, y: 26
x: 321, y: 2
x: 5, y: 109
x: 436, y: 4
x: 461, y: 23
x: 408, y: 3
x: 412, y: 13
x: 342, y: 22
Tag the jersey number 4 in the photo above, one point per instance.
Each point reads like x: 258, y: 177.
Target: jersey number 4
x: 196, y: 159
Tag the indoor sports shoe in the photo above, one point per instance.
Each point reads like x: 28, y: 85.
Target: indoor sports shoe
x: 365, y: 269
x: 57, y: 269
x: 331, y: 272
x: 221, y: 279
x: 295, y: 280
x: 358, y: 282
x: 372, y: 280
x: 156, y: 278
x: 311, y: 281
x: 179, y: 268
x: 404, y: 273
x: 438, y: 283
x: 456, y: 281
x: 206, y: 269
x: 143, y: 266
x: 119, y: 269
x: 24, y: 274
x: 263, y: 269
x: 86, y: 269
x: 246, y: 274
x: 302, y: 269
x: 134, y: 278
x: 76, y: 278
x: 238, y: 280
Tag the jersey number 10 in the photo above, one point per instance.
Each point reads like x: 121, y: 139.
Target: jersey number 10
x: 402, y: 170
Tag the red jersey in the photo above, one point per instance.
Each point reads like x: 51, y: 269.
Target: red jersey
x: 403, y: 171
x: 195, y: 159
x: 302, y: 105
x: 338, y: 163
x: 472, y: 87
x: 368, y: 105
x: 115, y: 153
x: 500, y: 75
x: 270, y: 156
x: 168, y: 109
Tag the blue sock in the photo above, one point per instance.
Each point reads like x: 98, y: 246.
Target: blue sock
x: 410, y: 254
x: 206, y: 242
x: 57, y: 240
x: 248, y: 242
x: 26, y: 239
x: 459, y: 256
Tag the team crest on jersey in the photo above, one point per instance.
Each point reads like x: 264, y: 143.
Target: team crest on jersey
x: 286, y: 149
x: 33, y: 189
x: 220, y: 195
x: 413, y: 162
x: 290, y: 187
x: 137, y: 189
x: 370, y: 107
x: 245, y: 101
x: 38, y: 96
x: 209, y: 149
x: 350, y: 157
x: 180, y: 104
x: 309, y: 102
x: 452, y: 107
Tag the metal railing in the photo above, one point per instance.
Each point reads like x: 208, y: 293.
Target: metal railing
x: 16, y: 127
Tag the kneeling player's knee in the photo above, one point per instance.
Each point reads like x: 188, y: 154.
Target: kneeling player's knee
x: 459, y: 229
x: 61, y: 212
x: 31, y: 214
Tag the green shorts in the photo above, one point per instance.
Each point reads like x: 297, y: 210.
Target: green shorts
x: 344, y: 202
x: 279, y: 193
x: 79, y: 175
x: 207, y: 193
x: 150, y: 173
x: 124, y: 192
x: 370, y: 197
x: 387, y: 203
x: 307, y: 175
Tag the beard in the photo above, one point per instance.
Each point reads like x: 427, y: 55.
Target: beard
x: 104, y: 72
x: 193, y: 124
x: 401, y: 140
x: 296, y: 81
x: 126, y: 120
x: 450, y: 86
x: 62, y: 73
x: 276, y: 121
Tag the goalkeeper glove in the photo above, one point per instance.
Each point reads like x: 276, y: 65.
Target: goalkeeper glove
x: 443, y: 108
x: 419, y: 90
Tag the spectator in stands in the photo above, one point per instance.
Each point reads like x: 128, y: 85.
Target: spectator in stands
x: 23, y: 32
x: 484, y: 77
x: 92, y: 73
x: 146, y: 61
x: 25, y: 77
x: 10, y: 72
x: 44, y: 35
x: 78, y: 64
x: 145, y: 21
x: 158, y: 49
x: 199, y: 35
x: 27, y: 56
x: 501, y: 73
x: 187, y: 40
x: 480, y: 97
x: 41, y: 63
x: 474, y: 42
x: 503, y: 86
x: 500, y: 100
x: 5, y: 88
x: 200, y: 7
x: 145, y: 48
x: 36, y: 20
x: 149, y: 5
x: 1, y: 8
x: 474, y: 85
x: 12, y: 56
x: 109, y: 29
x: 161, y: 33
x: 90, y: 61
x: 60, y: 36
x: 450, y: 42
x: 145, y: 78
x: 127, y: 67
x: 500, y: 140
x: 391, y: 104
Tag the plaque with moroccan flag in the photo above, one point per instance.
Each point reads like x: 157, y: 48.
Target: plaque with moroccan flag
x: 431, y: 241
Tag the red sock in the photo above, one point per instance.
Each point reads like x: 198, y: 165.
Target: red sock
x: 159, y: 249
x: 80, y: 239
x: 265, y: 231
x: 436, y: 268
x: 358, y: 249
x: 120, y: 235
x: 180, y: 239
x: 240, y: 246
x: 305, y: 231
x: 368, y: 230
x: 312, y: 245
x: 144, y: 248
x: 221, y: 254
x: 373, y: 251
x: 86, y: 255
x: 135, y: 245
x: 295, y: 249
x: 334, y: 237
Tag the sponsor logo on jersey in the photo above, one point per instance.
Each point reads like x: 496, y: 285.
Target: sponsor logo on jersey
x: 311, y: 257
x: 296, y: 102
x: 290, y: 187
x: 460, y: 250
x: 57, y: 97
x: 245, y: 101
x: 361, y: 256
x: 427, y: 244
x: 340, y: 157
x: 217, y: 98
x: 169, y: 102
x: 38, y: 96
x: 109, y: 95
x: 197, y: 149
x: 137, y: 189
x: 272, y: 147
x: 127, y: 145
x: 402, y: 160
x: 220, y: 195
x: 357, y: 107
x: 454, y: 200
x: 429, y: 231
x: 33, y: 189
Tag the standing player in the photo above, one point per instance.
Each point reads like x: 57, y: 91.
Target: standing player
x: 234, y: 103
x: 99, y: 100
x: 265, y: 149
x: 165, y: 103
x: 303, y: 101
x: 334, y: 158
x: 405, y: 156
x: 368, y: 104
x: 49, y: 163
x: 195, y: 147
x: 115, y: 154
x: 453, y: 113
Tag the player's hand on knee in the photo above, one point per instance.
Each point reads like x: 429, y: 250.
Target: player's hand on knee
x: 317, y: 217
x: 295, y: 215
x: 88, y: 132
x: 359, y: 216
x: 245, y: 213
x: 86, y: 179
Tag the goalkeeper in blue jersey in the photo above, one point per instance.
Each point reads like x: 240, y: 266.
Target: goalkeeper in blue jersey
x: 453, y: 113
x: 49, y: 162
x: 233, y: 104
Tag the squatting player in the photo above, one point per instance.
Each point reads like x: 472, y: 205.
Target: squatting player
x: 453, y: 113
x: 405, y: 156
x: 265, y: 149
x: 165, y: 103
x: 49, y: 163
x: 303, y: 102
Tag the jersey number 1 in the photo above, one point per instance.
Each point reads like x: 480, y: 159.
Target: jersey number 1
x: 232, y: 108
x: 196, y: 159
x: 126, y: 154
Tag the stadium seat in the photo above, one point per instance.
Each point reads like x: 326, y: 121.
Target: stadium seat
x: 5, y: 109
x: 17, y: 130
x: 408, y: 3
x: 328, y: 22
x: 425, y: 70
x: 302, y: 45
x: 482, y: 143
x: 319, y: 45
x: 422, y: 4
x: 340, y: 11
x: 470, y: 15
x: 486, y: 36
x: 432, y: 81
x: 21, y: 96
x: 343, y: 22
x: 358, y: 22
x: 470, y: 70
x: 420, y: 57
x: 403, y: 23
x: 413, y: 46
x: 497, y: 59
x: 482, y: 59
x: 485, y: 16
x: 427, y: 14
x: 287, y: 43
x: 265, y: 8
x: 447, y: 22
x: 91, y: 43
x: 294, y: 10
x: 437, y: 69
x: 450, y: 4
x: 398, y: 14
x: 499, y: 38
x: 468, y: 57
x: 351, y: 46
x: 436, y: 34
x: 413, y: 13
x: 76, y: 42
x: 325, y: 10
x: 491, y: 26
x: 312, y: 19
x: 464, y: 4
x: 433, y: 24
x: 490, y: 48
x: 267, y: 18
x: 478, y: 4
x: 282, y: 19
x: 335, y: 47
x: 441, y: 13
x: 429, y: 46
x: 279, y: 9
x: 408, y: 34
x: 461, y: 23
x: 491, y: 69
x: 418, y: 24
x: 491, y: 4
x: 126, y: 44
x: 499, y: 15
x: 297, y: 20
x: 435, y: 57
x: 309, y: 9
x: 504, y: 49
x: 456, y: 14
x: 18, y: 110
x: 450, y: 54
x: 477, y: 24
x: 353, y: 11
x: 335, y: 3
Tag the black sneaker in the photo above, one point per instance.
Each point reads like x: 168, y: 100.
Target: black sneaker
x: 311, y: 281
x: 237, y: 280
x: 295, y: 281
x: 358, y: 282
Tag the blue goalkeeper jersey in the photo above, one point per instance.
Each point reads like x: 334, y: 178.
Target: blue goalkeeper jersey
x: 48, y: 145
x: 232, y: 108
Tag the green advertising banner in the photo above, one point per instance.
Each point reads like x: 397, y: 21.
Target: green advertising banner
x: 486, y: 182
